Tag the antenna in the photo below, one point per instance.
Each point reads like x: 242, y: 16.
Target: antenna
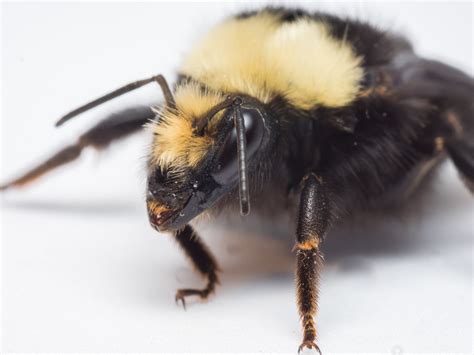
x: 242, y: 158
x: 160, y: 79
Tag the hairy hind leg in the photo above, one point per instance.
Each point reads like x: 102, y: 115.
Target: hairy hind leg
x: 112, y: 128
x: 313, y: 223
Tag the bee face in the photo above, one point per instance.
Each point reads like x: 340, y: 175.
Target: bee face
x: 172, y: 199
x: 206, y: 165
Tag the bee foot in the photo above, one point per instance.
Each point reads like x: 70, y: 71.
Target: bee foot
x: 309, y: 345
x: 181, y: 295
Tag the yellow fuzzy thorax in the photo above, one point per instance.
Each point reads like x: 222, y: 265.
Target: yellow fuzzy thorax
x: 175, y: 144
x: 263, y: 57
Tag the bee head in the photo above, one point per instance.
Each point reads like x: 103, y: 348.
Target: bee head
x: 205, y: 146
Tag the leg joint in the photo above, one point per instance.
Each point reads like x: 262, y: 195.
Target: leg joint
x: 310, y: 244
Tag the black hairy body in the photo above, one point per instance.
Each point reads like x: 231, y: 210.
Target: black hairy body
x: 371, y: 153
x: 365, y: 144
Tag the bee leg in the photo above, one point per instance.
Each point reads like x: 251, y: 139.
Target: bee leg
x: 112, y: 128
x: 202, y: 260
x: 313, y: 220
x: 461, y: 152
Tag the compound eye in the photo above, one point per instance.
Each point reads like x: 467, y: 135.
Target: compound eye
x: 227, y: 164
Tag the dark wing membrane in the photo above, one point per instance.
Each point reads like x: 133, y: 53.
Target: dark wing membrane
x: 433, y: 80
x: 451, y: 91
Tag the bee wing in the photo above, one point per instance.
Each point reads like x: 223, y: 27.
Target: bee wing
x: 452, y: 92
x: 433, y: 80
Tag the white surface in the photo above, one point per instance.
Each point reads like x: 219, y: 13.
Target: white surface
x: 83, y: 271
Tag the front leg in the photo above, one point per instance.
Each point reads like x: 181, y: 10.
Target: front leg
x: 313, y: 220
x: 202, y: 260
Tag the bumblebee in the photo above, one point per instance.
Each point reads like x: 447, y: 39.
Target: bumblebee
x: 280, y: 109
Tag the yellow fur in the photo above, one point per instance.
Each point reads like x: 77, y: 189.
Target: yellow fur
x: 175, y: 145
x: 261, y: 57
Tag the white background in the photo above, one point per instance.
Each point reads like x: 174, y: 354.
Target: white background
x: 83, y: 271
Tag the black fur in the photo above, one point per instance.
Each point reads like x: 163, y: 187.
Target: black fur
x: 367, y: 156
x: 367, y: 149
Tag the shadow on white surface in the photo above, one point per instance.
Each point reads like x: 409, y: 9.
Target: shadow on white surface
x: 85, y: 279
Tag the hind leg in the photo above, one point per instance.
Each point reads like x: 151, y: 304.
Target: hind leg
x: 313, y: 223
x: 459, y: 141
x: 112, y: 128
x: 461, y: 152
